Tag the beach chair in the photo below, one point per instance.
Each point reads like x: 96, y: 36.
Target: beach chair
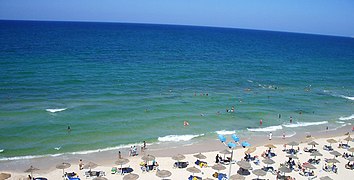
x: 327, y: 148
x: 222, y: 176
x: 40, y: 178
x: 114, y: 170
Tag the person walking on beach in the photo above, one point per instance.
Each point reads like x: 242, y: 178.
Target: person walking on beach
x: 283, y: 135
x: 270, y: 136
x: 291, y: 119
x: 260, y: 122
x: 81, y: 165
x: 119, y: 155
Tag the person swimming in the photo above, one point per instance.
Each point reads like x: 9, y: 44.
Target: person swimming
x: 186, y: 123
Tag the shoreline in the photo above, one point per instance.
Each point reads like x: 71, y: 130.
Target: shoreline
x: 47, y: 164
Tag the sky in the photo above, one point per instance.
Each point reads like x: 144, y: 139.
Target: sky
x: 329, y: 17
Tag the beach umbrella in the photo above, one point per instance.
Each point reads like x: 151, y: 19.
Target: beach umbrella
x: 332, y: 161
x: 270, y: 146
x: 235, y: 138
x: 348, y: 139
x: 335, y: 153
x: 237, y: 177
x: 131, y: 177
x: 4, y: 176
x: 309, y: 137
x: 200, y: 156
x: 148, y: 157
x: 224, y: 152
x: 208, y: 179
x: 193, y: 170
x: 316, y: 153
x: 63, y: 166
x: 218, y: 167
x: 312, y: 143
x: 250, y: 150
x: 244, y: 164
x: 331, y: 141
x: 259, y: 172
x: 351, y: 159
x: 31, y: 169
x: 90, y: 165
x: 284, y: 169
x: 222, y: 138
x: 292, y: 156
x: 100, y: 178
x: 292, y: 144
x: 121, y: 162
x: 351, y: 150
x: 178, y: 157
x: 325, y: 178
x: 163, y: 173
x: 268, y: 161
x: 309, y: 166
x: 245, y: 144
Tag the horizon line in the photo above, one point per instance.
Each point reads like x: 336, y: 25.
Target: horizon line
x: 171, y: 24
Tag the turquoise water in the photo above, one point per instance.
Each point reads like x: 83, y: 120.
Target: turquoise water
x: 120, y: 84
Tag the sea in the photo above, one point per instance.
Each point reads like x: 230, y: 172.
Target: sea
x: 83, y: 87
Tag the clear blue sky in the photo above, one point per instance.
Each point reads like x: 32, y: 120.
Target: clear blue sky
x: 332, y: 17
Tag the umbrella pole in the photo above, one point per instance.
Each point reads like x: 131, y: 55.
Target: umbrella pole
x: 63, y: 174
x: 232, y: 153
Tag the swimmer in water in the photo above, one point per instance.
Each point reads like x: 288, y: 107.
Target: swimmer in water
x: 186, y: 123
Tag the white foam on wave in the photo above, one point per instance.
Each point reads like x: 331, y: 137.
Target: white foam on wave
x: 340, y: 122
x: 2, y: 150
x: 287, y: 135
x: 303, y: 124
x: 224, y: 132
x: 55, y: 110
x: 347, y: 97
x: 250, y: 81
x: 346, y: 118
x: 176, y: 138
x: 265, y: 129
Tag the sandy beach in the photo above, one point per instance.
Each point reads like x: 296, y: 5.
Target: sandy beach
x: 105, y: 160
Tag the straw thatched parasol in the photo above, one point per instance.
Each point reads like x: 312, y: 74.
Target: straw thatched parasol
x: 208, y: 179
x: 270, y: 146
x: 193, y: 170
x: 284, y: 169
x: 309, y: 166
x: 348, y: 139
x: 335, y: 153
x: 332, y: 161
x: 218, y: 167
x: 100, y: 178
x: 121, y: 161
x: 131, y: 177
x: 237, y: 177
x: 316, y: 153
x: 90, y: 165
x: 312, y: 143
x: 292, y: 156
x: 325, y: 178
x: 330, y: 141
x: 293, y: 143
x: 225, y: 151
x: 163, y: 173
x: 200, y: 156
x: 31, y: 169
x: 268, y: 161
x: 4, y: 176
x: 148, y: 157
x: 244, y: 164
x: 250, y: 150
x: 63, y: 166
x: 178, y: 157
x: 351, y: 150
x: 259, y: 172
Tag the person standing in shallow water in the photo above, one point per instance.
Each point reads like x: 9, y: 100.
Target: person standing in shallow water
x: 270, y: 136
x: 260, y: 122
x: 291, y: 119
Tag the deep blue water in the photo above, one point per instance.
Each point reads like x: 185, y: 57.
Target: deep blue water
x: 124, y: 83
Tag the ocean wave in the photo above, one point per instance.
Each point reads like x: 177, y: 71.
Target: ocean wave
x: 56, y: 110
x: 224, y: 132
x: 347, y: 97
x: 2, y: 150
x: 176, y: 138
x: 265, y: 129
x: 250, y: 81
x: 346, y: 118
x: 287, y: 135
x: 303, y: 124
x: 340, y: 122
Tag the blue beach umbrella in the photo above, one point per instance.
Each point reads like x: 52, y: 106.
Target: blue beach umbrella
x: 245, y: 144
x: 235, y: 138
x: 222, y: 138
x: 231, y: 145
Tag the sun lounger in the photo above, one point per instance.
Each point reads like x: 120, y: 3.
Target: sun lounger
x: 327, y: 148
x: 94, y: 173
x: 222, y: 176
x: 40, y: 178
x: 180, y: 165
x: 71, y: 176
